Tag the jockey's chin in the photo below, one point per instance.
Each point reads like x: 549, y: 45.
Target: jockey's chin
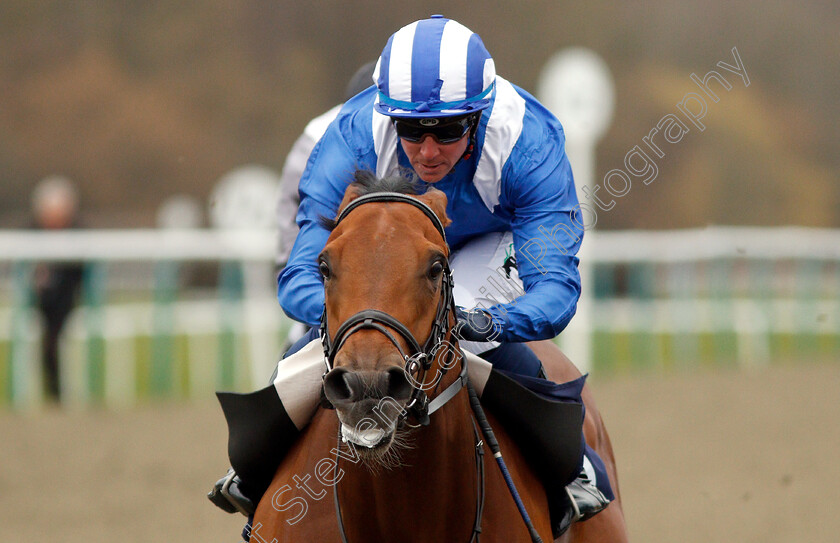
x: 431, y: 174
x: 432, y: 160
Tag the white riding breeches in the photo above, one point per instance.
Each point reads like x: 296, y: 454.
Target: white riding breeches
x: 481, y: 280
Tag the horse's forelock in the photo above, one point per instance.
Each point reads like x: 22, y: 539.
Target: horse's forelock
x: 366, y: 182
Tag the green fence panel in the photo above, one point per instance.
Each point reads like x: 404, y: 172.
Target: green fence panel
x: 94, y: 289
x: 20, y: 355
x: 231, y: 291
x: 165, y: 292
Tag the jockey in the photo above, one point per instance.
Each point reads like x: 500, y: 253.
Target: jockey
x: 438, y: 111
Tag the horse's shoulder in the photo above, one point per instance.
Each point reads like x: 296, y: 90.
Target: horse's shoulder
x: 315, y: 443
x: 297, y: 506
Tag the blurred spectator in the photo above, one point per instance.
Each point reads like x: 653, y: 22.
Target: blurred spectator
x: 55, y: 207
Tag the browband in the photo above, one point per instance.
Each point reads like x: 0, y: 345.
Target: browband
x: 393, y: 197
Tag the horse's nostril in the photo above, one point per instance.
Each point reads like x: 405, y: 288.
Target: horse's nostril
x: 399, y: 387
x: 342, y: 386
x: 337, y: 387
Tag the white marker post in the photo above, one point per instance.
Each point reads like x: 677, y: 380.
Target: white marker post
x: 576, y: 85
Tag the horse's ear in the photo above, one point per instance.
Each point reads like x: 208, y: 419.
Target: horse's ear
x: 353, y: 191
x: 436, y: 200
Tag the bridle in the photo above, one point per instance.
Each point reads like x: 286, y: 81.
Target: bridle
x: 419, y: 359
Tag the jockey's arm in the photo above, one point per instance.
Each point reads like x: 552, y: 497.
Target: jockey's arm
x: 299, y: 287
x: 539, y: 193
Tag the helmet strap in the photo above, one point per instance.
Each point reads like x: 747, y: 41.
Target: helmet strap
x: 471, y: 147
x: 468, y: 153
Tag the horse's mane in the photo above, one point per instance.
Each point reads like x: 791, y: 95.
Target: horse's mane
x: 366, y: 182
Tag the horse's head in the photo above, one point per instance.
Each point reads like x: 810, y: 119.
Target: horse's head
x: 388, y: 296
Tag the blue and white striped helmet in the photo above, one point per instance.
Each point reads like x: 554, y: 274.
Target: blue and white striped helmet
x: 436, y: 67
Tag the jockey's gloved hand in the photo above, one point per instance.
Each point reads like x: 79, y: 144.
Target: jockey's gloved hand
x: 475, y: 325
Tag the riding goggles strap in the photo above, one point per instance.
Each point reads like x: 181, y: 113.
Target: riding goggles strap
x: 433, y: 105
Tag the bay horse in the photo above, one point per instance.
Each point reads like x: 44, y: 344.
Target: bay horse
x: 384, y: 267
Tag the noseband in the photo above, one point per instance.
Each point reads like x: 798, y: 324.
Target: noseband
x: 419, y: 358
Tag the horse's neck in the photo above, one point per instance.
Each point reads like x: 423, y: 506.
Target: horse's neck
x: 437, y: 476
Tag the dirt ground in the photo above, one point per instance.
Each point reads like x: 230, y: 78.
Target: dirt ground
x: 748, y: 456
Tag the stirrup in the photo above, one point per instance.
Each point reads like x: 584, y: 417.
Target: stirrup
x: 585, y: 500
x: 227, y: 495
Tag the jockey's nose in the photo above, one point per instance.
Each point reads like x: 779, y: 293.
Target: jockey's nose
x: 343, y: 387
x: 429, y: 147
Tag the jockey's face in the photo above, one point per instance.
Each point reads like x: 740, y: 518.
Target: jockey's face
x: 431, y: 159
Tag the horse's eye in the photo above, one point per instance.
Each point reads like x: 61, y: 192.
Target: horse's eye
x: 324, y: 268
x: 435, y: 270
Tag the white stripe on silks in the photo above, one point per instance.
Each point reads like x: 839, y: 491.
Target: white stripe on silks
x: 503, y: 130
x: 298, y: 382
x: 453, y: 61
x: 376, y: 69
x: 384, y: 145
x: 489, y: 72
x: 399, y: 68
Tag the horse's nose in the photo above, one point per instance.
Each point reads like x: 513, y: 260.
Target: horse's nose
x: 399, y: 387
x: 342, y: 386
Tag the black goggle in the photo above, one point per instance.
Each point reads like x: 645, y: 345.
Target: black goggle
x: 444, y: 131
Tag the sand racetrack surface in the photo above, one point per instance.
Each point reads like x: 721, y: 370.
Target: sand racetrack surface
x: 746, y: 456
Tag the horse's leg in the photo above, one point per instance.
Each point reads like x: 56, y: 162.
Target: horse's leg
x: 608, y: 525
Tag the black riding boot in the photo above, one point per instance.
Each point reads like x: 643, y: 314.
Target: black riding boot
x: 549, y: 434
x: 260, y: 433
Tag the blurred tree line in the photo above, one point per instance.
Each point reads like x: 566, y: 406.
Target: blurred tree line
x: 137, y: 101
